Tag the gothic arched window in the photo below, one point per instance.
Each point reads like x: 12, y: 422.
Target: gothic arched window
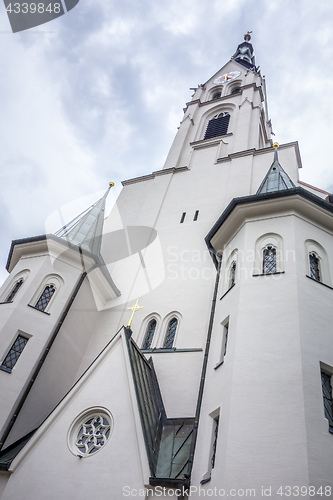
x: 218, y: 125
x: 232, y: 274
x: 314, y: 266
x: 269, y: 260
x: 14, y: 290
x: 217, y: 95
x: 170, y: 334
x: 45, y: 298
x: 149, y: 334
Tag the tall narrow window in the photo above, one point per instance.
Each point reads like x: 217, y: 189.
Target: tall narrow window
x: 232, y: 274
x: 196, y: 215
x: 217, y: 125
x: 269, y: 260
x: 214, y: 444
x: 149, y: 334
x: 14, y: 290
x: 171, y: 332
x: 314, y: 266
x: 328, y: 398
x: 182, y: 217
x: 14, y: 353
x: 45, y: 298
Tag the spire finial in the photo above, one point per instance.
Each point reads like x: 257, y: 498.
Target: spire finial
x: 275, y: 145
x: 134, y: 308
x: 111, y: 184
x: 247, y: 36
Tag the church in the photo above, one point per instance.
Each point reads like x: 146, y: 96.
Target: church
x: 182, y: 345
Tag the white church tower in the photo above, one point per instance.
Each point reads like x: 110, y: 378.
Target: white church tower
x: 218, y: 380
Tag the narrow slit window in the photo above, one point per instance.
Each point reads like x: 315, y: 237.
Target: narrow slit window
x: 14, y: 353
x: 269, y: 260
x: 149, y: 334
x: 232, y: 275
x: 171, y: 332
x: 217, y: 126
x: 196, y: 215
x: 45, y: 298
x: 214, y: 444
x: 314, y: 266
x: 182, y: 217
x: 327, y: 398
x: 14, y: 290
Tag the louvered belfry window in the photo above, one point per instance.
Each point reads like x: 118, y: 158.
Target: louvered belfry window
x: 171, y: 332
x: 15, y: 352
x: 149, y: 334
x: 314, y: 266
x: 45, y: 298
x: 269, y: 260
x: 217, y: 125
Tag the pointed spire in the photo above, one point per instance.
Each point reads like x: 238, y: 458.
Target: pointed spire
x: 86, y: 229
x: 245, y: 53
x: 276, y: 178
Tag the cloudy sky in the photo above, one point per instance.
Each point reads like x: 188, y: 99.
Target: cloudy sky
x: 97, y: 94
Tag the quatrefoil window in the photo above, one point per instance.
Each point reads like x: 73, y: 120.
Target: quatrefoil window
x: 90, y: 432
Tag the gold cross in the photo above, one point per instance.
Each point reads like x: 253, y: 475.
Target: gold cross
x: 134, y: 309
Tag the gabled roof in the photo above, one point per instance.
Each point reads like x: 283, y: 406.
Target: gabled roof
x: 86, y: 229
x: 276, y: 178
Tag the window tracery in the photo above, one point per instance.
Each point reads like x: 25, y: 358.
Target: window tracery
x: 14, y: 290
x: 170, y: 334
x: 314, y: 266
x: 150, y: 331
x: 269, y: 260
x: 45, y: 298
x: 90, y: 432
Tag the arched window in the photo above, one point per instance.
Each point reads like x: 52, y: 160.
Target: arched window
x: 237, y: 90
x: 14, y: 290
x: 217, y: 95
x: 149, y: 334
x: 170, y: 334
x: 269, y: 260
x: 314, y: 266
x: 45, y: 298
x: 232, y: 274
x: 218, y: 125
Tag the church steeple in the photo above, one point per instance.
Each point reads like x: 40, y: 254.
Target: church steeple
x: 276, y: 178
x: 245, y: 53
x: 85, y: 230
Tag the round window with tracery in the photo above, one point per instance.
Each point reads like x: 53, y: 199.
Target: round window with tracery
x: 90, y: 432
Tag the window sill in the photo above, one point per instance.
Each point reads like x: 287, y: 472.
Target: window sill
x: 205, y: 480
x: 320, y: 282
x: 7, y: 302
x: 227, y: 291
x: 33, y: 307
x: 5, y: 369
x: 218, y: 365
x: 268, y: 274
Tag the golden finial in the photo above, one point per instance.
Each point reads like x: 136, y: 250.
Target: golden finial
x: 111, y: 184
x: 134, y: 309
x: 275, y: 145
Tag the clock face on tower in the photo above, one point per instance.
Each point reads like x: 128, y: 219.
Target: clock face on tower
x: 226, y: 77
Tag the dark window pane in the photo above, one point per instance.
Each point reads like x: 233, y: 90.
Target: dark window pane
x: 327, y: 397
x: 45, y: 298
x: 216, y: 430
x: 217, y: 126
x: 15, y: 352
x: 14, y: 290
x: 232, y: 274
x: 149, y: 334
x: 269, y: 260
x: 171, y: 332
x: 314, y: 266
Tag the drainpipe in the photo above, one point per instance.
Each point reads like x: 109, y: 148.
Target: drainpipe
x: 204, y: 365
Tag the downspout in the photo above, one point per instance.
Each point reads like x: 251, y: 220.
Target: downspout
x: 204, y: 365
x: 42, y: 359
